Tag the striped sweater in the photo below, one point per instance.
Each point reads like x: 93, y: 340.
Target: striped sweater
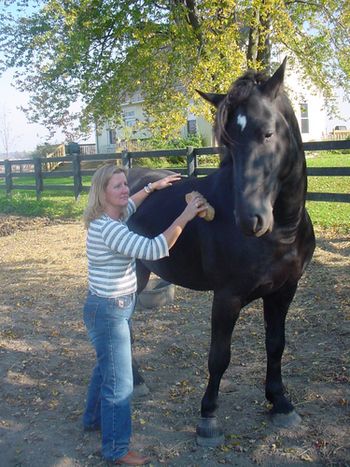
x: 111, y: 251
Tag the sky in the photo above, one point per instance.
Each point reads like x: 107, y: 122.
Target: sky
x: 25, y: 136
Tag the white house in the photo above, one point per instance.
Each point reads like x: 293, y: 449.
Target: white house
x: 308, y: 106
x: 111, y: 139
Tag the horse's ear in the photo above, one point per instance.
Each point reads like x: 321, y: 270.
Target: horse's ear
x: 214, y: 99
x: 273, y: 85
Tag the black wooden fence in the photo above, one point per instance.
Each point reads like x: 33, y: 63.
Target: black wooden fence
x: 36, y: 168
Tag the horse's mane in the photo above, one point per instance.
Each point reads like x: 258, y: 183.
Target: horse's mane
x: 243, y: 86
x: 238, y: 93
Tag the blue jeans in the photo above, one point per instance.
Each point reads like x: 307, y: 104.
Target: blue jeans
x: 108, y: 400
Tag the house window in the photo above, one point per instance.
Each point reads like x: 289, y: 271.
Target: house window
x: 304, y: 117
x: 111, y: 136
x: 191, y: 127
x: 129, y: 117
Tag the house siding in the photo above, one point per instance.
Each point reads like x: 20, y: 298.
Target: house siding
x: 301, y: 92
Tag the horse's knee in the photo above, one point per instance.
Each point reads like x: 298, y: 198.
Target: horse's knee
x: 218, y: 363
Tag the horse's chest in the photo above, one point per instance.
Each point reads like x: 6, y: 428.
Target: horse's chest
x: 262, y: 269
x: 279, y: 269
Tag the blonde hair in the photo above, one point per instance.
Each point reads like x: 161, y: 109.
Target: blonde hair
x: 99, y: 182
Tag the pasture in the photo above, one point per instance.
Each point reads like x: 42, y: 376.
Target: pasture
x: 46, y: 362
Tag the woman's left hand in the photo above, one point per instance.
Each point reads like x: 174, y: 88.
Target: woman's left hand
x: 165, y: 182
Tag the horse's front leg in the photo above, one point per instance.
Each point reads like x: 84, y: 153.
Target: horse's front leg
x: 225, y: 312
x: 275, y: 311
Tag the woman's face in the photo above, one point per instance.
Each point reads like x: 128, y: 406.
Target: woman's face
x: 117, y: 192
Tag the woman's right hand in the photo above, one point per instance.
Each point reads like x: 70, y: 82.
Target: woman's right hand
x: 197, y: 205
x: 194, y: 207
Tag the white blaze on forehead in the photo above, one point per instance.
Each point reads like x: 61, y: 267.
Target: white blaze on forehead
x: 242, y: 121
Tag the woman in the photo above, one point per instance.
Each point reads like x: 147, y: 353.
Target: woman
x: 111, y: 250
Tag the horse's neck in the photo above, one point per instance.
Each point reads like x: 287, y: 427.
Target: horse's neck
x: 290, y: 204
x: 289, y: 208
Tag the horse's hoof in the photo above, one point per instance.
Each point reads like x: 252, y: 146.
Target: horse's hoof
x: 140, y: 390
x: 286, y: 420
x: 209, y: 434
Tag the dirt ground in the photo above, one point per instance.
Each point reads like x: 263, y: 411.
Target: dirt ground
x: 46, y: 362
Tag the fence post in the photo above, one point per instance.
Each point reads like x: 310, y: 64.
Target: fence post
x: 8, y: 176
x: 126, y: 160
x: 38, y: 177
x: 191, y: 161
x: 78, y: 185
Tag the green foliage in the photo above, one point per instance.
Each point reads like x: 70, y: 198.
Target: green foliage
x: 172, y: 143
x: 156, y: 143
x: 42, y: 150
x: 99, y: 52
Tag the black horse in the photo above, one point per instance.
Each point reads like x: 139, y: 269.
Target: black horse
x: 261, y: 238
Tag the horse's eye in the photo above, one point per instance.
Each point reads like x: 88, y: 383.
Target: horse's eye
x: 268, y: 135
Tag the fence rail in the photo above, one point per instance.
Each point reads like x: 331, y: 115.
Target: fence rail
x: 74, y: 167
x: 340, y: 134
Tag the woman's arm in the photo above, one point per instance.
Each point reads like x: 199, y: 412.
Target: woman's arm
x: 119, y: 238
x: 165, y: 182
x: 197, y: 205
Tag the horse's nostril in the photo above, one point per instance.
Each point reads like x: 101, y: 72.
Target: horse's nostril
x: 251, y: 224
x: 254, y: 225
x: 259, y: 223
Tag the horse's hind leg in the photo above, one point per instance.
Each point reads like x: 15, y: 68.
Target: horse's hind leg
x: 142, y: 274
x: 140, y: 387
x: 225, y: 312
x: 275, y: 311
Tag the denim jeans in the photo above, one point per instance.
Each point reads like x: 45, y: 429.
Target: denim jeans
x: 108, y: 400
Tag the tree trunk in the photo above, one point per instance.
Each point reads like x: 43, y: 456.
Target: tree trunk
x: 252, y: 52
x: 264, y: 47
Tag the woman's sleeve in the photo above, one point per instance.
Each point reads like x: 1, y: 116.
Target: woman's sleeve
x: 119, y: 238
x: 130, y: 209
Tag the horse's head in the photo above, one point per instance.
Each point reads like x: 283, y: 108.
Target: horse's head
x: 252, y: 127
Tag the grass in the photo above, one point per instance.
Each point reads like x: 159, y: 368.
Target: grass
x: 329, y: 215
x: 61, y: 204
x: 55, y: 205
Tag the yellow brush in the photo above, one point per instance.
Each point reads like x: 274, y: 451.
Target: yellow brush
x: 209, y: 213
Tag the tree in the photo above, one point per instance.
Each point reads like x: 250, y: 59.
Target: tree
x: 7, y: 137
x: 99, y: 52
x: 42, y: 150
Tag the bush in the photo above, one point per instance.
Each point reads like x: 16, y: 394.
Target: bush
x: 175, y: 143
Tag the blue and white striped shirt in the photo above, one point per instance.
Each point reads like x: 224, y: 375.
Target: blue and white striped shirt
x: 111, y: 251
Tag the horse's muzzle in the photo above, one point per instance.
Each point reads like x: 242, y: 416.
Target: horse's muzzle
x: 257, y: 224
